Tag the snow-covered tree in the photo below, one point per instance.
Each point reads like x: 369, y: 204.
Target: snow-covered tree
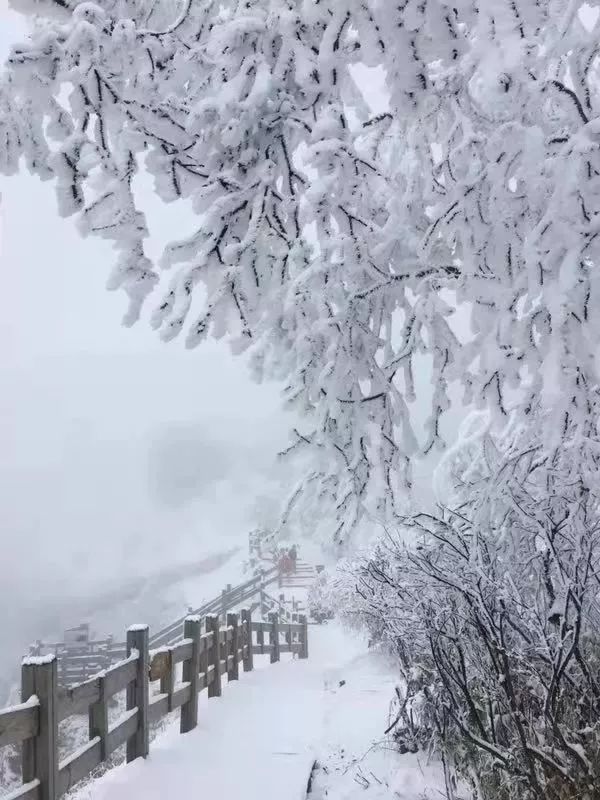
x: 335, y: 243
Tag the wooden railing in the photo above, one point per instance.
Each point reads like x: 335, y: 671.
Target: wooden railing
x: 77, y: 662
x: 207, y: 650
x: 269, y: 603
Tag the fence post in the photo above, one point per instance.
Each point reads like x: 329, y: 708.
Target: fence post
x: 213, y: 626
x: 233, y: 673
x: 138, y: 691
x: 261, y: 575
x: 204, y: 662
x: 98, y: 718
x: 223, y: 603
x: 191, y: 673
x: 167, y: 682
x: 303, y: 636
x: 247, y: 639
x: 40, y: 754
x: 274, y: 620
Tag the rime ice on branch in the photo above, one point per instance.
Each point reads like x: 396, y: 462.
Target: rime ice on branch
x: 334, y: 242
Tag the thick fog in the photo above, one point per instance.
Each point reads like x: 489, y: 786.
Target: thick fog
x: 119, y: 455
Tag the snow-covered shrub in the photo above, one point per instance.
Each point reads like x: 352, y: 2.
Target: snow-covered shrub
x: 493, y: 611
x: 320, y: 600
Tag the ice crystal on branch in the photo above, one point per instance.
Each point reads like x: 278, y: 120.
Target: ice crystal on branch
x: 333, y: 242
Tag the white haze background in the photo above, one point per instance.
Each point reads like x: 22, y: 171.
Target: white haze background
x: 113, y: 446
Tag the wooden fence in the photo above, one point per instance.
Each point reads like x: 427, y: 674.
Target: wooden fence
x: 207, y: 651
x: 77, y: 661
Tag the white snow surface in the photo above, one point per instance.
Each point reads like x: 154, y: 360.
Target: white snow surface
x: 355, y: 761
x: 30, y: 702
x: 261, y: 738
x: 38, y: 661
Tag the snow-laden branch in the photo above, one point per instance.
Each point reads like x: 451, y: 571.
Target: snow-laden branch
x: 335, y: 243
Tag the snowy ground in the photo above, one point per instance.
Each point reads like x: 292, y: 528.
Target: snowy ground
x: 260, y: 740
x: 354, y: 759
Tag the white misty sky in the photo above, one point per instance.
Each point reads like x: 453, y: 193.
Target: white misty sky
x: 110, y: 441
x: 94, y: 419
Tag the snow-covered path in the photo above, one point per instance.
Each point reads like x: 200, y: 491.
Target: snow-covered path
x: 261, y: 738
x: 256, y: 741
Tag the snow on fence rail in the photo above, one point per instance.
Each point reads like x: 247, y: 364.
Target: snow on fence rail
x: 77, y: 661
x: 205, y: 653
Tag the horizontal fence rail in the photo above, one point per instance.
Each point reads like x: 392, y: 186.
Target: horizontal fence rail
x: 78, y: 661
x: 207, y: 649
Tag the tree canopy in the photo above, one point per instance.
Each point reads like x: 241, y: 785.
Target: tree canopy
x: 333, y: 242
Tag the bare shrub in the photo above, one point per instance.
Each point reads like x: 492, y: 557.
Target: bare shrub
x: 492, y: 609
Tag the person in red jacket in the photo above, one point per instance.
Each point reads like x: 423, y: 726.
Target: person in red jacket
x: 285, y: 563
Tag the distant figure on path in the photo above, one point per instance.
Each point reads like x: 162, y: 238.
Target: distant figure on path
x: 285, y: 563
x: 293, y: 556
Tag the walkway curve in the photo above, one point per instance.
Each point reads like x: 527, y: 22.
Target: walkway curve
x: 256, y: 742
